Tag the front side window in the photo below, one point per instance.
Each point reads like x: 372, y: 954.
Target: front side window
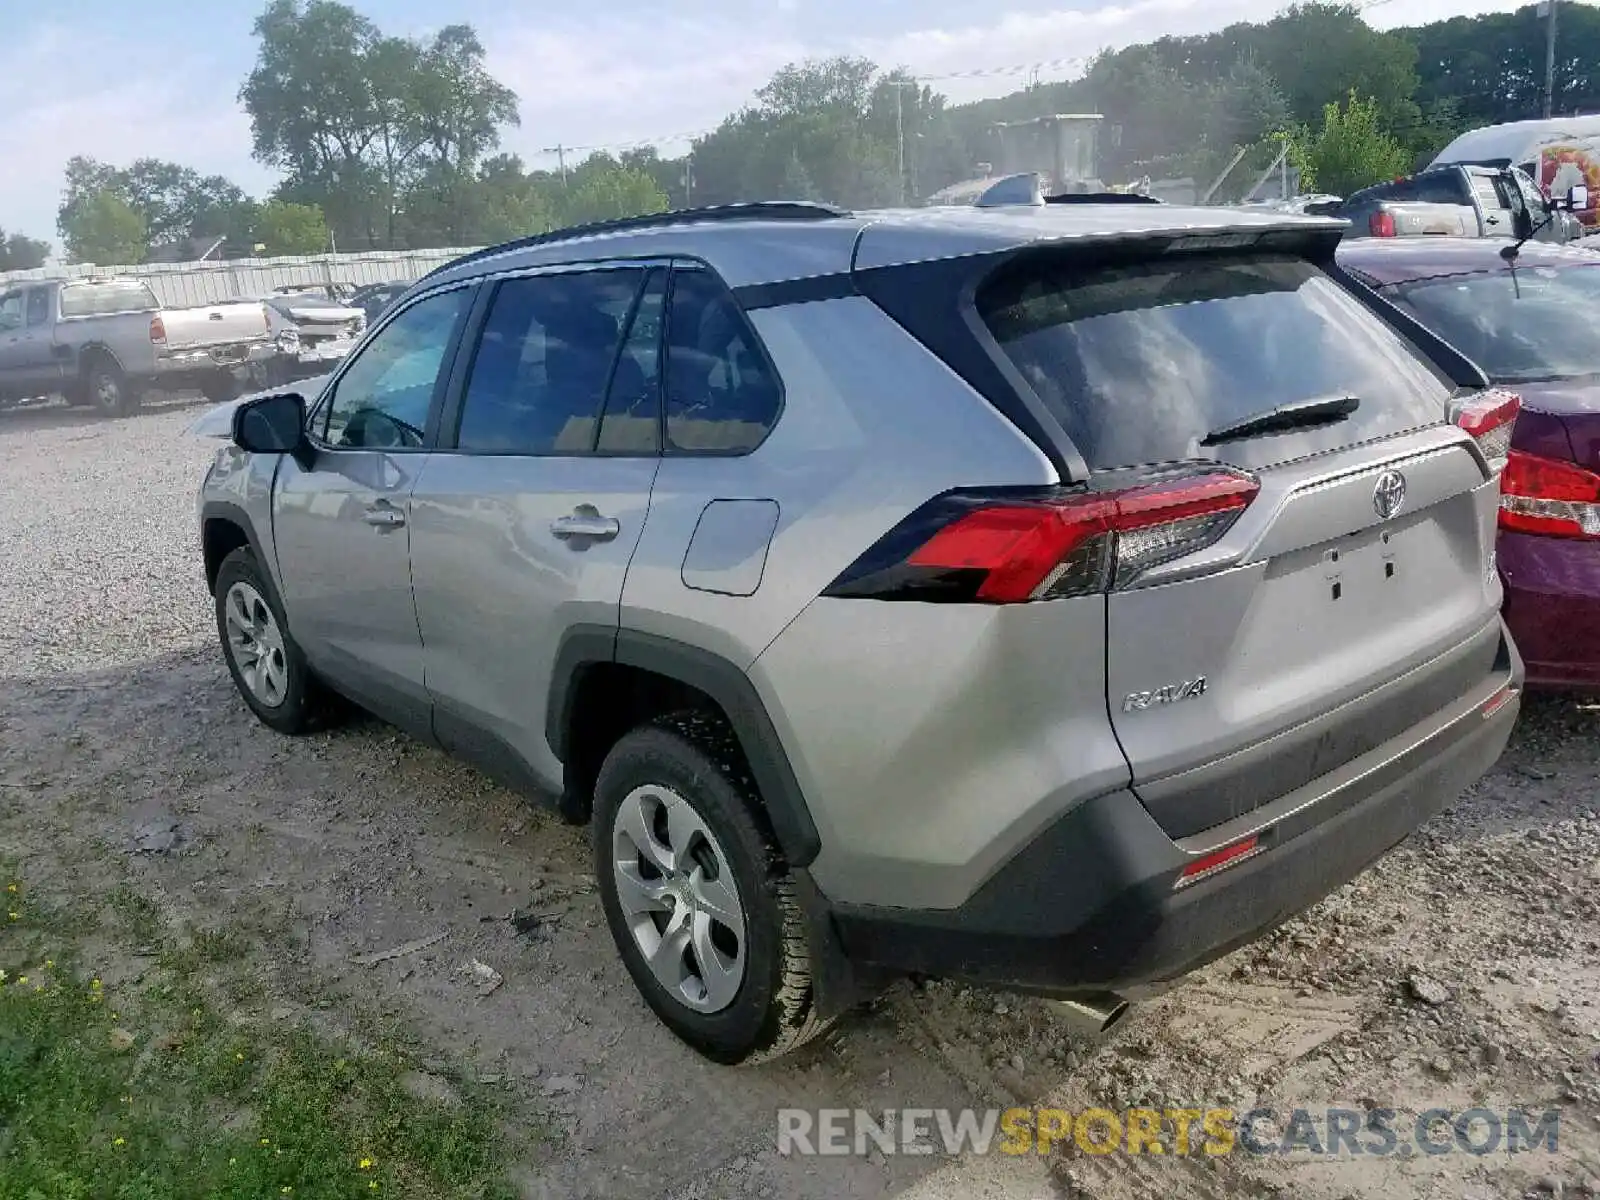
x: 1521, y: 324
x: 544, y: 361
x: 38, y: 307
x: 11, y: 310
x: 721, y: 393
x: 381, y: 402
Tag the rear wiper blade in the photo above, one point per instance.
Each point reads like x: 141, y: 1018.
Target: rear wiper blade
x: 1297, y: 414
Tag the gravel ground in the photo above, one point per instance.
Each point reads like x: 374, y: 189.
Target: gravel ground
x: 1463, y: 970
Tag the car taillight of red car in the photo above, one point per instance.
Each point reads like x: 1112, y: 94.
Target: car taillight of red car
x: 1549, y: 497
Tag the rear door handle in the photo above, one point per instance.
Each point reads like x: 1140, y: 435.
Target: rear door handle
x: 586, y: 524
x: 384, y: 516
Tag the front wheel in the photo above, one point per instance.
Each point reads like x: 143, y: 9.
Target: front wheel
x: 698, y: 899
x: 266, y: 664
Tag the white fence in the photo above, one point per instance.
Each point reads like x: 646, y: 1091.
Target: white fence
x: 180, y: 285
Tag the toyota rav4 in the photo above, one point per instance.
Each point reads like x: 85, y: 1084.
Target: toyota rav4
x: 1051, y: 597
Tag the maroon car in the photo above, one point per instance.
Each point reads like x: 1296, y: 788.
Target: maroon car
x: 1533, y: 325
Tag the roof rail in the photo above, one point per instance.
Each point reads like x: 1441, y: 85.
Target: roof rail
x: 756, y: 210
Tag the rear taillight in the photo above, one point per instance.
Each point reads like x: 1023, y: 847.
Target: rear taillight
x: 1008, y: 548
x: 158, y: 332
x: 1490, y: 417
x: 1550, y: 497
x: 1381, y: 224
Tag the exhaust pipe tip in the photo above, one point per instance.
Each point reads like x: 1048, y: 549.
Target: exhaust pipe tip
x: 1092, y: 1014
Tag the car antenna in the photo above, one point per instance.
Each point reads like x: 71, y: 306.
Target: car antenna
x: 1509, y: 253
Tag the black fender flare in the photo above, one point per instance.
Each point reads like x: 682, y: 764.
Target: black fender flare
x: 224, y: 510
x: 587, y: 645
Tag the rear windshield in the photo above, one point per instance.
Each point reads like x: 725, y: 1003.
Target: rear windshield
x: 1140, y: 362
x: 103, y: 299
x: 1530, y: 324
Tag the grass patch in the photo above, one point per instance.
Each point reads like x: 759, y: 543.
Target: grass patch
x: 137, y: 915
x: 153, y: 1093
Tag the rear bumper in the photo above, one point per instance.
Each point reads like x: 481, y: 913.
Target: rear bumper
x: 1552, y: 607
x: 213, y: 358
x: 1091, y: 904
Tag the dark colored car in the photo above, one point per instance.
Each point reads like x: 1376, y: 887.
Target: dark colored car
x: 1533, y: 325
x: 376, y: 298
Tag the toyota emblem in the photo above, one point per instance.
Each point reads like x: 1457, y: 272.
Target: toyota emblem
x: 1389, y: 494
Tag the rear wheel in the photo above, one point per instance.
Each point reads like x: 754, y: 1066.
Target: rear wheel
x: 698, y: 899
x: 106, y: 389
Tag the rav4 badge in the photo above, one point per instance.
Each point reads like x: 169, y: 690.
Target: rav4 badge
x: 1171, y: 694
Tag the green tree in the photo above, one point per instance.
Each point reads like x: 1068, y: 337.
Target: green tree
x: 1321, y: 52
x: 797, y: 184
x: 1490, y: 68
x: 102, y: 228
x: 19, y: 253
x: 1351, y: 150
x: 286, y: 228
x: 603, y: 189
x: 828, y: 116
x: 361, y: 123
x: 174, y: 202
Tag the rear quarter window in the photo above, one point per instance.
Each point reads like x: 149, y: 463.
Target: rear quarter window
x: 1140, y: 361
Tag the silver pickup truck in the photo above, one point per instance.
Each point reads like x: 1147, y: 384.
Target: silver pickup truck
x: 1460, y: 200
x: 103, y: 342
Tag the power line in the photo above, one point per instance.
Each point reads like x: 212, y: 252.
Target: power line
x: 690, y: 135
x: 1030, y: 69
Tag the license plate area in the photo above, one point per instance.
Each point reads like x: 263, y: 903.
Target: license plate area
x: 1360, y: 562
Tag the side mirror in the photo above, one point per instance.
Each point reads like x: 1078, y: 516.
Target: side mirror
x: 271, y: 425
x: 1578, y: 196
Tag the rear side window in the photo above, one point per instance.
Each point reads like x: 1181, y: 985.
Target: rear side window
x: 544, y: 361
x: 722, y: 395
x: 1139, y: 362
x: 106, y: 299
x: 38, y: 306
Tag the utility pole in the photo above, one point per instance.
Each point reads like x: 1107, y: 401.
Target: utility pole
x: 1549, y: 57
x: 688, y: 180
x: 561, y: 160
x: 899, y: 86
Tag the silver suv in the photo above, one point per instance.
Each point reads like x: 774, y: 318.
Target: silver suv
x: 1053, y: 597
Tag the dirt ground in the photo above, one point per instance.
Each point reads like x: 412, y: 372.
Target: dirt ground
x: 1463, y: 971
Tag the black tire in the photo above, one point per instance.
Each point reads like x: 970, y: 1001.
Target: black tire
x: 306, y: 704
x: 107, y: 390
x: 697, y: 757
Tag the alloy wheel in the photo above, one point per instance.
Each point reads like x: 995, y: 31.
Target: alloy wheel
x: 679, y: 898
x: 256, y: 644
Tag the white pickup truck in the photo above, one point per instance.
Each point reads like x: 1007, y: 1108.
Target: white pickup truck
x: 103, y: 342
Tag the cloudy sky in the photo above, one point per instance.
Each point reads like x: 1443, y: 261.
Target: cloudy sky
x: 119, y: 81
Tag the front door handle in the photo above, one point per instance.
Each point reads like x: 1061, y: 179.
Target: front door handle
x: 384, y: 516
x: 587, y: 523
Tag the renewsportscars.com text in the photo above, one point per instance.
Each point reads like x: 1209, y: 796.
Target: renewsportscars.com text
x: 1213, y: 1131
